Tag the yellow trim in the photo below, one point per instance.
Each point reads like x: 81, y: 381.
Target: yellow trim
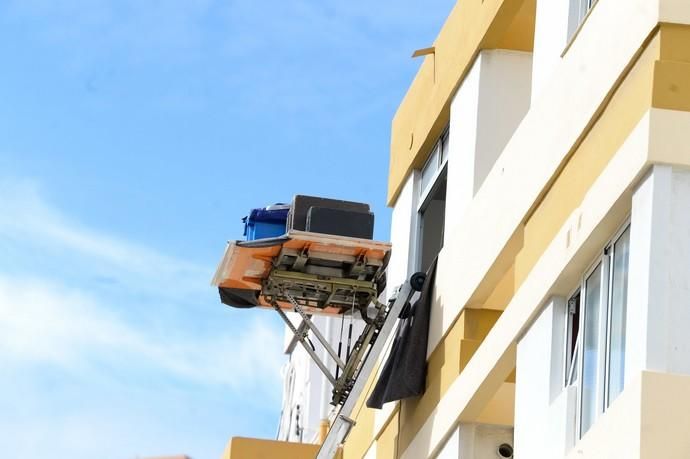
x: 424, y: 111
x: 362, y: 434
x: 243, y: 448
x: 387, y: 442
x: 627, y: 106
x: 672, y: 85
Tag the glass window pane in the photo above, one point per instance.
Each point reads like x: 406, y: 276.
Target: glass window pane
x: 430, y: 168
x: 582, y: 10
x: 619, y: 299
x: 591, y: 355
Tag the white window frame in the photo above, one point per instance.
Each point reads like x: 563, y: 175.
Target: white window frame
x: 438, y: 159
x: 579, y: 9
x: 603, y: 262
x: 568, y: 367
x: 605, y: 259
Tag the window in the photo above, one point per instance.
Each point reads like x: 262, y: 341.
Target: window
x: 572, y: 337
x: 578, y: 12
x: 432, y: 217
x: 431, y: 210
x: 591, y: 349
x: 617, y: 316
x: 595, y: 337
x: 434, y: 164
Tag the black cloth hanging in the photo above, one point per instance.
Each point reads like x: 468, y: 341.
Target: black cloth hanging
x: 404, y: 373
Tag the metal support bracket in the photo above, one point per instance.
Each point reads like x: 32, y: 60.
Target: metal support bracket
x: 307, y: 321
x: 301, y: 336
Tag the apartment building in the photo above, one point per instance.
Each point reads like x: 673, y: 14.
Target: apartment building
x: 542, y: 155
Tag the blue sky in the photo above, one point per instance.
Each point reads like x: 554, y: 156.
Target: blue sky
x: 134, y: 135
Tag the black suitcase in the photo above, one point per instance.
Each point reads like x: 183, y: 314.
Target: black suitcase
x: 297, y: 218
x: 340, y: 222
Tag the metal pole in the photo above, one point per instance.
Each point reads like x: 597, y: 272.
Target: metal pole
x: 305, y: 344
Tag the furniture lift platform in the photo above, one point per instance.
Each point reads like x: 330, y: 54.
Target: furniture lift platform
x: 313, y: 273
x: 325, y: 274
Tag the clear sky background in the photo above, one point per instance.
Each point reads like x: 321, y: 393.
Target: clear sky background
x: 134, y: 135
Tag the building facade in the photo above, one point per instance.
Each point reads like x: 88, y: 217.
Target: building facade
x: 542, y: 153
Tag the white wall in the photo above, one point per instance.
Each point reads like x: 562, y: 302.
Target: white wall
x: 403, y: 234
x: 451, y: 450
x: 544, y: 409
x: 476, y: 441
x: 659, y: 286
x: 487, y: 108
x: 550, y: 39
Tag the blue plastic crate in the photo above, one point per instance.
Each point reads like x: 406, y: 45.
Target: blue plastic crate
x: 266, y: 222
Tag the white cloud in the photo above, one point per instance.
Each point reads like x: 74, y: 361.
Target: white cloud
x: 44, y: 320
x: 26, y: 217
x: 26, y: 213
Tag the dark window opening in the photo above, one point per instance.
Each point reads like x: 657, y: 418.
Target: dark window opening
x: 432, y: 218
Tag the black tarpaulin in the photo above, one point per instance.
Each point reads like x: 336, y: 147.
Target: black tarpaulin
x: 404, y: 373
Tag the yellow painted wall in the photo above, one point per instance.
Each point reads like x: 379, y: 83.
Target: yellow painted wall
x: 672, y: 71
x: 387, y: 443
x: 625, y: 109
x: 660, y: 78
x: 664, y: 410
x: 647, y: 421
x: 472, y: 25
x: 445, y: 364
x: 362, y: 434
x: 254, y: 448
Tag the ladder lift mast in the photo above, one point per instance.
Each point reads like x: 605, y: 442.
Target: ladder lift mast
x: 352, y: 375
x: 343, y: 422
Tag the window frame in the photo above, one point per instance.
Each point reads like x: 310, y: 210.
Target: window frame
x: 609, y: 321
x: 569, y: 369
x: 578, y: 12
x: 601, y: 261
x: 576, y: 20
x: 423, y: 195
x: 441, y: 168
x: 605, y: 259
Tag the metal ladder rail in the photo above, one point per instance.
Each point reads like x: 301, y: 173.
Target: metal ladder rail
x: 343, y: 423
